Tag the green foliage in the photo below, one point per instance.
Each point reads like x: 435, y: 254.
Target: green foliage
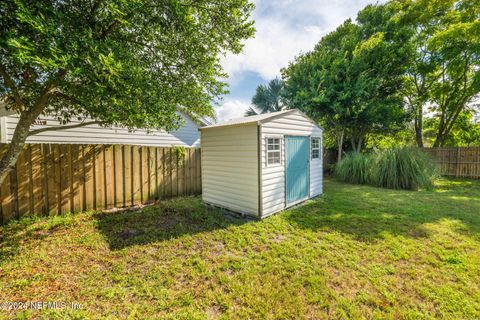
x: 444, y: 74
x: 400, y: 138
x: 394, y: 168
x: 355, y: 167
x: 132, y: 64
x: 464, y: 133
x: 127, y: 63
x: 251, y: 112
x: 403, y: 168
x: 350, y: 80
x: 422, y: 53
x: 180, y: 153
x: 267, y: 98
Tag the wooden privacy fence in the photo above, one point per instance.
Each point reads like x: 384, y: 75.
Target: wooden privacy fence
x: 457, y: 162
x: 52, y: 179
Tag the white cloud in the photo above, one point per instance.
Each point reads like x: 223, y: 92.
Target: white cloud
x: 273, y: 47
x: 285, y: 29
x: 231, y: 109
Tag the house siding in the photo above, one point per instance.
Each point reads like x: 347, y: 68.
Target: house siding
x: 230, y: 168
x: 273, y: 177
x: 3, y: 129
x: 186, y: 136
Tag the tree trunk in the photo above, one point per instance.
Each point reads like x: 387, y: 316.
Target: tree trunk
x: 15, y: 147
x: 438, y: 141
x: 439, y: 138
x: 340, y: 145
x: 9, y: 159
x: 27, y: 118
x: 353, y: 144
x: 445, y: 129
x: 419, y: 126
x: 359, y: 144
x: 356, y: 144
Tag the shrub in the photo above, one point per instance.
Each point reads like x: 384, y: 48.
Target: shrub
x: 403, y: 168
x: 354, y: 168
x: 394, y: 168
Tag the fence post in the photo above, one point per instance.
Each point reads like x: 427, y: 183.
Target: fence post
x: 457, y: 171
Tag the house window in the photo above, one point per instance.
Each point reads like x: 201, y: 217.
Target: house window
x: 273, y: 151
x: 315, y: 145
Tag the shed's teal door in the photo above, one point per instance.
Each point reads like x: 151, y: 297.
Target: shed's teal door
x: 296, y: 168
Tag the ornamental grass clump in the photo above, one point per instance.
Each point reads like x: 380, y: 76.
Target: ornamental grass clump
x: 354, y: 168
x: 395, y: 168
x: 403, y: 168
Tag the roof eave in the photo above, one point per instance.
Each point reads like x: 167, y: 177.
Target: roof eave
x: 227, y: 125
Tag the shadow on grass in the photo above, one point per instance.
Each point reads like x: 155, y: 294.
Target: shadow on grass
x: 368, y: 213
x: 365, y: 213
x: 166, y: 220
x: 28, y: 229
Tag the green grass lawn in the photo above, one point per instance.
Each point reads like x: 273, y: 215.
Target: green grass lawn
x: 356, y: 252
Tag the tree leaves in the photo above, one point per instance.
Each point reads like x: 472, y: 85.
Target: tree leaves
x: 350, y: 80
x: 127, y: 63
x: 422, y: 53
x: 446, y: 61
x: 269, y: 98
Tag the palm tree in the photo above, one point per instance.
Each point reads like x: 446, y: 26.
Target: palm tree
x: 267, y: 98
x: 250, y: 112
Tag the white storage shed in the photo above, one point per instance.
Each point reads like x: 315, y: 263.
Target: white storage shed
x: 261, y: 164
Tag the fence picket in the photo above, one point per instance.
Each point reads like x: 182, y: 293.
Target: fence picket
x: 54, y: 179
x: 457, y: 161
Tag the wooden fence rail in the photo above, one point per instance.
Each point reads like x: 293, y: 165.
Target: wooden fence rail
x: 457, y: 162
x: 52, y: 179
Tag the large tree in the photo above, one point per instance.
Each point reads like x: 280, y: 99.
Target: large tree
x: 444, y: 76
x: 465, y: 132
x: 267, y: 98
x: 350, y: 80
x: 128, y: 63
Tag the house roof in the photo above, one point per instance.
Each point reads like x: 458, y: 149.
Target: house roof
x: 260, y: 118
x: 251, y: 119
x: 200, y: 121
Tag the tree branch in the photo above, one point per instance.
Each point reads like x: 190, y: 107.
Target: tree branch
x: 103, y: 33
x: 66, y: 97
x: 58, y: 128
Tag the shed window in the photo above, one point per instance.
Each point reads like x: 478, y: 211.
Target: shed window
x: 315, y: 145
x: 273, y: 151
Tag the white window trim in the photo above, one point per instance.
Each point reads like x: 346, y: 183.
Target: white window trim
x: 266, y: 151
x: 319, y: 149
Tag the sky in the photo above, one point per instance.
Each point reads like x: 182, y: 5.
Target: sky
x: 284, y: 29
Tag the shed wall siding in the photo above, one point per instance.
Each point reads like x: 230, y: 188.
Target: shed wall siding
x: 186, y: 136
x: 316, y: 173
x: 230, y: 168
x: 273, y: 177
